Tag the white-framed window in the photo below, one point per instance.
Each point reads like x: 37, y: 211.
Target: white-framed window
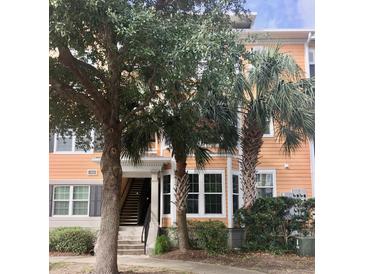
x: 71, y: 200
x: 193, y: 196
x: 213, y: 193
x: 311, y: 59
x: 68, y: 144
x: 235, y: 193
x: 269, y: 129
x: 266, y: 183
x: 166, y: 194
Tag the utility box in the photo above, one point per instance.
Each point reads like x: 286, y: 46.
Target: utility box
x: 305, y: 246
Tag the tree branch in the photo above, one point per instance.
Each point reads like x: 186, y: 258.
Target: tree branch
x: 69, y: 93
x: 68, y: 60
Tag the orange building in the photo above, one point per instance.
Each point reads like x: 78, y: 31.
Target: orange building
x: 76, y: 180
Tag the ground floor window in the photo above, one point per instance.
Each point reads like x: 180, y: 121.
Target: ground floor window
x: 193, y: 196
x: 265, y: 184
x: 71, y: 200
x: 213, y: 193
x: 235, y: 190
x: 166, y: 193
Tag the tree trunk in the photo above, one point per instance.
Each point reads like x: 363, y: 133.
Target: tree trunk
x: 181, y: 194
x: 106, y: 247
x: 250, y: 142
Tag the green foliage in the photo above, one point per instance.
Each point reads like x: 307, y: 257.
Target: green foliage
x: 71, y: 239
x: 272, y: 223
x: 272, y: 86
x: 162, y: 244
x: 211, y: 236
x: 138, y: 61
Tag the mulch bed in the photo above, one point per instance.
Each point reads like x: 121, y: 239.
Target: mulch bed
x: 261, y: 261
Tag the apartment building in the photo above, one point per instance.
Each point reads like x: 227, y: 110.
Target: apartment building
x: 75, y: 179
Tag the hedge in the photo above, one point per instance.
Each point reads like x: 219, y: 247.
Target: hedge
x: 272, y: 223
x: 71, y: 239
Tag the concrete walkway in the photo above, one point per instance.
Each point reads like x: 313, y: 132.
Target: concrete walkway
x: 146, y: 261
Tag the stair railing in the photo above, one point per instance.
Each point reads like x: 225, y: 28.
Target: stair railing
x: 146, y: 226
x: 125, y: 191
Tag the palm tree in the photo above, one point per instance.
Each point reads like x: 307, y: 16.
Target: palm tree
x: 190, y: 123
x: 272, y: 87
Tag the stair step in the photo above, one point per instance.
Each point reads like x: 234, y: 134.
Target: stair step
x: 129, y: 247
x: 131, y: 252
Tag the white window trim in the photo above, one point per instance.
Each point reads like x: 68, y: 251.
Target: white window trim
x: 90, y: 151
x: 269, y: 171
x: 70, y: 200
x: 271, y: 129
x: 202, y: 213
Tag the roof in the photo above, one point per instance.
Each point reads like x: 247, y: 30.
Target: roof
x: 272, y: 35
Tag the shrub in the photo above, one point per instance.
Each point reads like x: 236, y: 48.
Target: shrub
x: 211, y: 236
x: 162, y: 244
x: 271, y: 223
x: 71, y: 239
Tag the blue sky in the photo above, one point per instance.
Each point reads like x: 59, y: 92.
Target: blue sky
x: 282, y: 13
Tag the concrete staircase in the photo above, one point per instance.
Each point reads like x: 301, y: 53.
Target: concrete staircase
x: 129, y: 240
x: 130, y: 210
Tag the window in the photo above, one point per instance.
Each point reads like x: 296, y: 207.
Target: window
x: 213, y: 193
x: 193, y: 196
x: 269, y: 129
x: 311, y: 58
x: 69, y: 143
x: 166, y: 194
x: 265, y: 184
x: 71, y: 200
x: 64, y: 143
x: 235, y: 193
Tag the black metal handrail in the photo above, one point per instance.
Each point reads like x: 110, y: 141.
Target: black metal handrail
x: 146, y: 227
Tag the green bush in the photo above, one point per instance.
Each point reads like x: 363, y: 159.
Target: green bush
x: 272, y: 223
x: 71, y: 239
x: 162, y: 244
x: 211, y: 236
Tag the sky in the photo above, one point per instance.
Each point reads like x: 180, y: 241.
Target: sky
x: 282, y: 13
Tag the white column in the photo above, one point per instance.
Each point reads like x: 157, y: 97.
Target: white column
x: 229, y: 191
x: 153, y: 229
x: 173, y: 198
x: 154, y: 198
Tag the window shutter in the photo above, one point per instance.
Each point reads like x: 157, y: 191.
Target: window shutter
x: 95, y: 200
x: 50, y: 199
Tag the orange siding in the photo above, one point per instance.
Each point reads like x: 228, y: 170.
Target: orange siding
x: 297, y: 175
x: 73, y: 166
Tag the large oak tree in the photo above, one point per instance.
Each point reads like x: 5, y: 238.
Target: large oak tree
x: 110, y: 62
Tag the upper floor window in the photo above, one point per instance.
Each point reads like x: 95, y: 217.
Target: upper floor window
x: 265, y: 182
x: 311, y: 60
x: 269, y: 129
x: 69, y: 143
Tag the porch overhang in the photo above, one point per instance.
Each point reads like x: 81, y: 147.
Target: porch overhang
x: 144, y: 168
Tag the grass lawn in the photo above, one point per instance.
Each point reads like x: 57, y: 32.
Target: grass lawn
x: 260, y: 261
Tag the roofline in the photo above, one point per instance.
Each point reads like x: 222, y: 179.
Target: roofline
x: 278, y: 30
